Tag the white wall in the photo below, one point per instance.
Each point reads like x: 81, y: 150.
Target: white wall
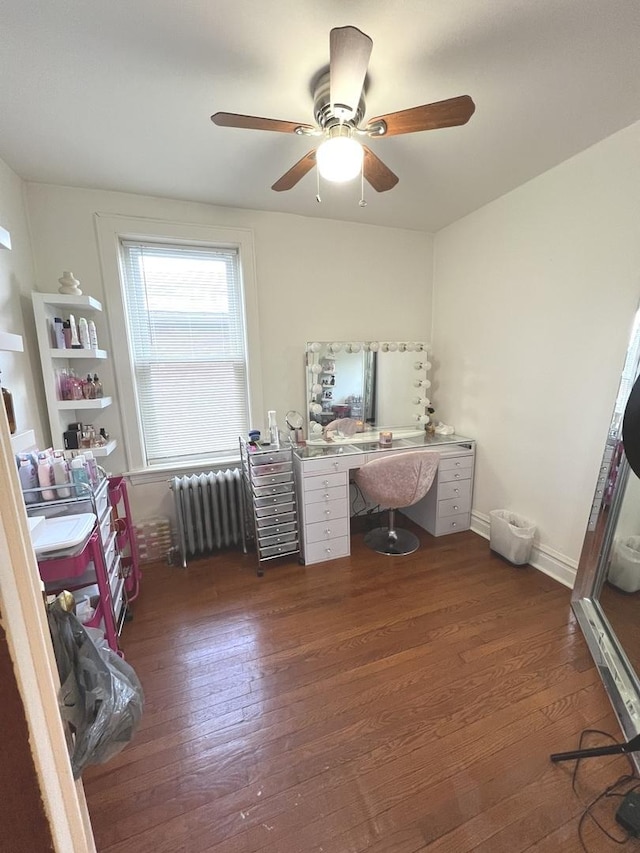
x: 534, y: 299
x: 20, y: 370
x: 317, y: 280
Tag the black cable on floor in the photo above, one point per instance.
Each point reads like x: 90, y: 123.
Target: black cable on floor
x: 610, y: 791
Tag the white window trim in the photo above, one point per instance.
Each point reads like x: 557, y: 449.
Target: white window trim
x: 110, y: 230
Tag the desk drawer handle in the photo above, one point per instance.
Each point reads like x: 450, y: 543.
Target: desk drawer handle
x: 455, y: 507
x: 457, y: 476
x: 326, y: 496
x: 454, y: 524
x: 457, y: 491
x: 327, y: 550
x: 327, y: 531
x: 335, y: 465
x: 325, y: 483
x: 327, y: 512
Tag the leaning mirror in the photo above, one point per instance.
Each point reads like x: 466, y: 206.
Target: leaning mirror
x: 606, y: 595
x: 377, y: 383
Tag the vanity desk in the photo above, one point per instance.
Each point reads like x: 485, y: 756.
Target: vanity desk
x: 322, y: 470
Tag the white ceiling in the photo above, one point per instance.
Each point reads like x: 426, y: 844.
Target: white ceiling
x: 117, y: 94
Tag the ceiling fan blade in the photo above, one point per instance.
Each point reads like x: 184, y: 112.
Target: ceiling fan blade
x: 379, y: 176
x: 257, y: 123
x: 449, y: 113
x: 296, y: 172
x: 349, y: 52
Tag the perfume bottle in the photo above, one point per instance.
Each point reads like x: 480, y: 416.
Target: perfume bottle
x: 98, y: 384
x: 7, y: 398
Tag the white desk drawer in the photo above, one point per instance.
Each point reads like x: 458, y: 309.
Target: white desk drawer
x: 452, y: 474
x: 452, y: 524
x: 325, y: 495
x: 454, y: 489
x: 332, y: 464
x: 454, y: 506
x: 455, y: 463
x: 323, y: 531
x: 326, y: 511
x: 319, y: 552
x: 312, y: 484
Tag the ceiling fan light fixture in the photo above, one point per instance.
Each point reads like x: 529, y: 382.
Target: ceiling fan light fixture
x: 340, y: 156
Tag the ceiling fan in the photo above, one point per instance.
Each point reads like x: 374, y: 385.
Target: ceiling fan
x: 339, y: 108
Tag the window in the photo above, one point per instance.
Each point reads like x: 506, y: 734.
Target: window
x: 185, y: 322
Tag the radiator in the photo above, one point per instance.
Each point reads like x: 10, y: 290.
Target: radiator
x: 209, y: 512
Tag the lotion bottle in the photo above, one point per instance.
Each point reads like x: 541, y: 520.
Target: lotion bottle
x: 79, y: 474
x: 45, y: 476
x: 83, y: 332
x: 93, y: 335
x: 61, y: 474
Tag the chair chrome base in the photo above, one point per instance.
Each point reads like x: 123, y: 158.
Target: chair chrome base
x: 394, y: 542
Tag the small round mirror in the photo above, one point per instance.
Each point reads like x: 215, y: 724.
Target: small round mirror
x: 294, y: 420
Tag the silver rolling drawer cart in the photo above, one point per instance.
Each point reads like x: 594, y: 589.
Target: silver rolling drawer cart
x: 270, y: 501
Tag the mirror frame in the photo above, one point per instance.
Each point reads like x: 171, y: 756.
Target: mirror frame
x: 313, y: 354
x: 618, y: 675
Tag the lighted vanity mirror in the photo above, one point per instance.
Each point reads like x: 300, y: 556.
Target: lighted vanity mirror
x: 380, y: 384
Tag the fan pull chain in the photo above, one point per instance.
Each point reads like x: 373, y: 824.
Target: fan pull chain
x: 362, y: 202
x: 318, y: 199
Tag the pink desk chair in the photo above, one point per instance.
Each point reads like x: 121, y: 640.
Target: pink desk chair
x: 396, y: 481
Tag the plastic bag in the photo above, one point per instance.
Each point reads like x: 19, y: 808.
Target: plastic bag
x: 100, y: 695
x: 624, y: 571
x: 511, y: 536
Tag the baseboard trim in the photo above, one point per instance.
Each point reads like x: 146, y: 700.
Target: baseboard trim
x: 546, y: 560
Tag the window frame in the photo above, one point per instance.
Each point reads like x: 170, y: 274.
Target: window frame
x: 111, y: 229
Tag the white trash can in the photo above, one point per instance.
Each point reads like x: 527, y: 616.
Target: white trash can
x: 511, y: 536
x: 624, y: 571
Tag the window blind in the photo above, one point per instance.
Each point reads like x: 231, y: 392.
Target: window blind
x: 186, y: 329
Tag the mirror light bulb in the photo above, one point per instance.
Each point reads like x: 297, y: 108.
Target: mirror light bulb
x: 419, y: 365
x: 392, y: 346
x: 354, y: 347
x: 335, y: 346
x: 315, y: 368
x: 410, y: 347
x: 317, y: 389
x: 314, y: 347
x: 315, y: 408
x: 374, y: 346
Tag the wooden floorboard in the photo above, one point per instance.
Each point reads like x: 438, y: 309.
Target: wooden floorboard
x: 389, y: 705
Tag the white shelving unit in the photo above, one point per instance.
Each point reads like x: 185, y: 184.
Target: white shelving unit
x: 46, y: 306
x: 10, y: 342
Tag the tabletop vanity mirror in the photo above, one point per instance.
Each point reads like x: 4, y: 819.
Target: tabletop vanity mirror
x: 606, y: 595
x: 381, y: 385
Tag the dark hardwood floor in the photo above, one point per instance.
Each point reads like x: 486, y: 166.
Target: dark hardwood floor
x: 378, y: 704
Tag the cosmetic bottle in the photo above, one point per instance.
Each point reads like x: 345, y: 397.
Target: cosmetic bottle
x: 98, y: 384
x: 89, y: 391
x: 91, y: 466
x: 79, y: 474
x: 104, y: 435
x: 93, y: 335
x: 274, y: 437
x: 58, y: 333
x: 28, y: 474
x: 66, y: 333
x: 7, y: 398
x: 45, y: 476
x: 83, y: 333
x: 75, y: 343
x: 61, y: 474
